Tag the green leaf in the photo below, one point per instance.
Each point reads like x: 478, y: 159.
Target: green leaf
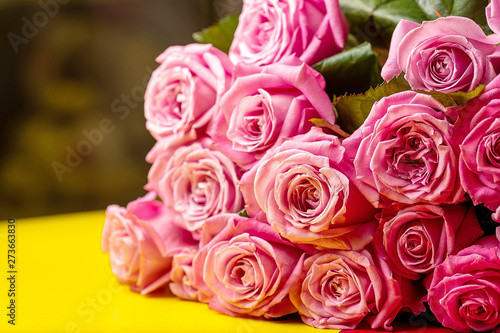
x: 375, y: 20
x: 352, y: 110
x: 461, y: 98
x: 457, y: 98
x: 220, y: 35
x: 351, y: 71
x: 334, y: 128
x: 388, y: 15
x: 243, y: 213
x: 472, y: 9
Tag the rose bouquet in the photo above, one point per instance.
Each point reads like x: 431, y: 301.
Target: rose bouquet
x: 335, y: 159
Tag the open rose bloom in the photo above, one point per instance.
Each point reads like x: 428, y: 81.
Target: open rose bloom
x: 270, y: 30
x: 196, y: 182
x: 447, y: 54
x: 339, y: 289
x: 480, y: 151
x: 184, y: 92
x: 141, y: 240
x: 247, y: 269
x: 405, y: 152
x: 465, y: 290
x: 265, y: 104
x: 304, y: 189
x: 415, y: 239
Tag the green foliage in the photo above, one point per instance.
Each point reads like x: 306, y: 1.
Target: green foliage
x: 375, y: 20
x: 352, y: 71
x: 243, y: 213
x: 473, y: 9
x: 352, y: 110
x: 334, y: 128
x: 220, y: 35
x: 458, y: 98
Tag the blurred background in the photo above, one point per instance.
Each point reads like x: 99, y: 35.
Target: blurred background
x: 72, y: 80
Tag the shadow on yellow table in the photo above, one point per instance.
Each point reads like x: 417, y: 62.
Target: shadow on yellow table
x: 61, y: 282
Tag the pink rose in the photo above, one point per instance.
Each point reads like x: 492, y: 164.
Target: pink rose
x: 141, y: 240
x: 247, y: 269
x: 415, y: 239
x: 447, y: 54
x: 268, y: 103
x: 465, y: 290
x: 184, y: 92
x: 196, y: 182
x: 490, y: 241
x: 181, y: 275
x: 480, y: 158
x: 339, y: 289
x: 493, y: 15
x: 405, y: 152
x: 304, y: 188
x: 270, y: 30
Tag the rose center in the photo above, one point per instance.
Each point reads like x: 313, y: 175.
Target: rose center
x: 172, y: 95
x: 250, y: 129
x: 174, y: 98
x: 440, y: 66
x: 304, y: 197
x: 261, y: 34
x: 492, y: 144
x: 202, y: 188
x: 265, y: 30
x: 198, y: 193
x: 308, y: 196
x: 414, y: 242
x: 336, y: 289
x: 449, y: 65
x: 253, y: 125
x: 474, y: 306
x: 415, y: 156
x: 241, y: 273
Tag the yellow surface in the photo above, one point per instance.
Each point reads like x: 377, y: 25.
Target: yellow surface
x: 64, y: 284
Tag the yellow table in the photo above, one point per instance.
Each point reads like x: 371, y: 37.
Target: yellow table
x: 64, y: 284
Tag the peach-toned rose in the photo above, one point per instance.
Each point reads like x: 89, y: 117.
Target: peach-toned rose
x: 196, y: 182
x: 246, y: 269
x: 141, y: 240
